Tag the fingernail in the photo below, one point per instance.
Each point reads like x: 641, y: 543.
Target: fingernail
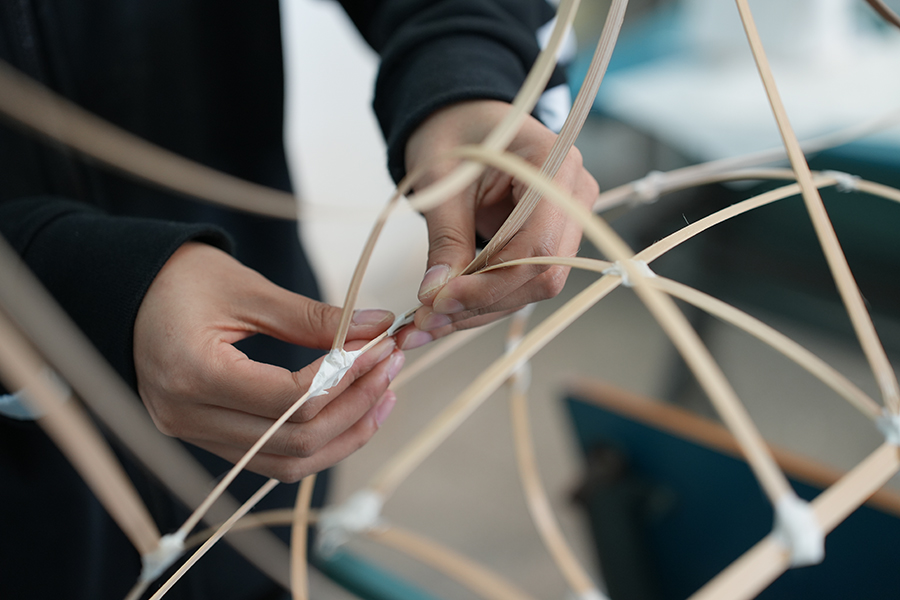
x: 415, y: 339
x: 395, y: 364
x: 371, y: 316
x: 385, y: 407
x: 384, y: 349
x: 434, y: 278
x: 448, y: 306
x: 434, y: 321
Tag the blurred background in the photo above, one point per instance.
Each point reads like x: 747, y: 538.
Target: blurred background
x: 681, y: 89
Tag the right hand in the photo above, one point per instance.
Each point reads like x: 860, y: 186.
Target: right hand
x: 198, y: 387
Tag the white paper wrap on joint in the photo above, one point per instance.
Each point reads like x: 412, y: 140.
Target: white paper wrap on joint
x: 170, y: 547
x: 648, y: 189
x: 889, y: 425
x: 360, y: 512
x: 845, y: 182
x: 18, y: 406
x: 333, y: 368
x: 619, y: 269
x: 798, y: 529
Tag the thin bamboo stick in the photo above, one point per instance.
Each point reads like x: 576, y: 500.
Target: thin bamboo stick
x: 51, y: 115
x: 762, y: 564
x: 729, y: 314
x: 455, y: 181
x: 245, y: 507
x: 859, y: 316
x: 673, y: 322
x: 299, y: 574
x: 538, y: 503
x: 121, y: 411
x: 567, y: 135
x: 462, y: 569
x: 69, y: 427
x: 692, y: 175
x: 885, y: 11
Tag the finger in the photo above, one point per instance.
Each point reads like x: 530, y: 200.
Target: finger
x: 238, y: 383
x: 410, y: 337
x: 451, y: 245
x: 291, y: 469
x: 242, y: 430
x: 300, y: 320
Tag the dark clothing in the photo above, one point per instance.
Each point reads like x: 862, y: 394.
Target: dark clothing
x: 202, y: 78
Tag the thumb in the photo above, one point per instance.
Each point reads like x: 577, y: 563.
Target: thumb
x: 451, y: 246
x: 300, y: 320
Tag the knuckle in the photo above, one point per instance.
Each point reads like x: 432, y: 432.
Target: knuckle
x: 300, y: 445
x: 291, y: 472
x: 551, y: 282
x: 448, y: 237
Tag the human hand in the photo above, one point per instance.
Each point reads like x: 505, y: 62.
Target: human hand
x: 198, y: 387
x: 450, y: 302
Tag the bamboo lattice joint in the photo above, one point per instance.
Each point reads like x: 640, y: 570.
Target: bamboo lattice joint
x: 625, y: 269
x: 889, y: 425
x: 798, y: 529
x: 845, y: 182
x: 332, y: 370
x: 361, y: 512
x: 170, y: 548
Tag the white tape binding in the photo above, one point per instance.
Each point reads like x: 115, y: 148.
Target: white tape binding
x: 401, y: 320
x: 18, y: 406
x: 798, y: 529
x: 333, y: 368
x: 360, y: 512
x: 844, y: 182
x: 648, y: 189
x: 889, y: 425
x: 618, y: 269
x: 155, y: 563
x: 591, y: 594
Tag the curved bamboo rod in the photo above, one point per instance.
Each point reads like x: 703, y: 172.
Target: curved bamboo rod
x: 455, y: 181
x: 477, y: 578
x: 729, y: 314
x: 223, y: 529
x: 768, y: 559
x: 49, y: 114
x: 78, y: 438
x: 843, y: 278
x: 673, y: 322
x: 299, y: 528
x: 69, y: 352
x: 689, y: 176
x: 438, y: 352
x: 536, y: 496
x: 584, y: 101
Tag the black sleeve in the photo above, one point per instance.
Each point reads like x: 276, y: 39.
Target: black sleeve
x: 98, y: 266
x: 436, y: 53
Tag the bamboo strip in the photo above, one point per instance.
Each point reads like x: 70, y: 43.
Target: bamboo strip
x: 567, y: 135
x: 862, y: 323
x: 438, y: 352
x: 777, y: 340
x: 299, y: 574
x: 689, y: 176
x: 477, y: 578
x: 386, y: 480
x: 463, y: 175
x: 120, y: 410
x: 538, y: 503
x: 673, y: 322
x: 245, y: 507
x: 768, y: 559
x: 51, y: 115
x: 66, y: 423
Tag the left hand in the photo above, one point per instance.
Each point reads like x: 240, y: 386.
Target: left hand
x: 450, y: 302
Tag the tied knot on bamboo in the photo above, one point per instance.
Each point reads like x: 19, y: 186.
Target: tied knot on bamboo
x: 889, y: 425
x: 619, y: 268
x: 169, y: 550
x: 648, y: 189
x: 797, y: 528
x: 844, y: 182
x: 332, y: 369
x: 359, y: 513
